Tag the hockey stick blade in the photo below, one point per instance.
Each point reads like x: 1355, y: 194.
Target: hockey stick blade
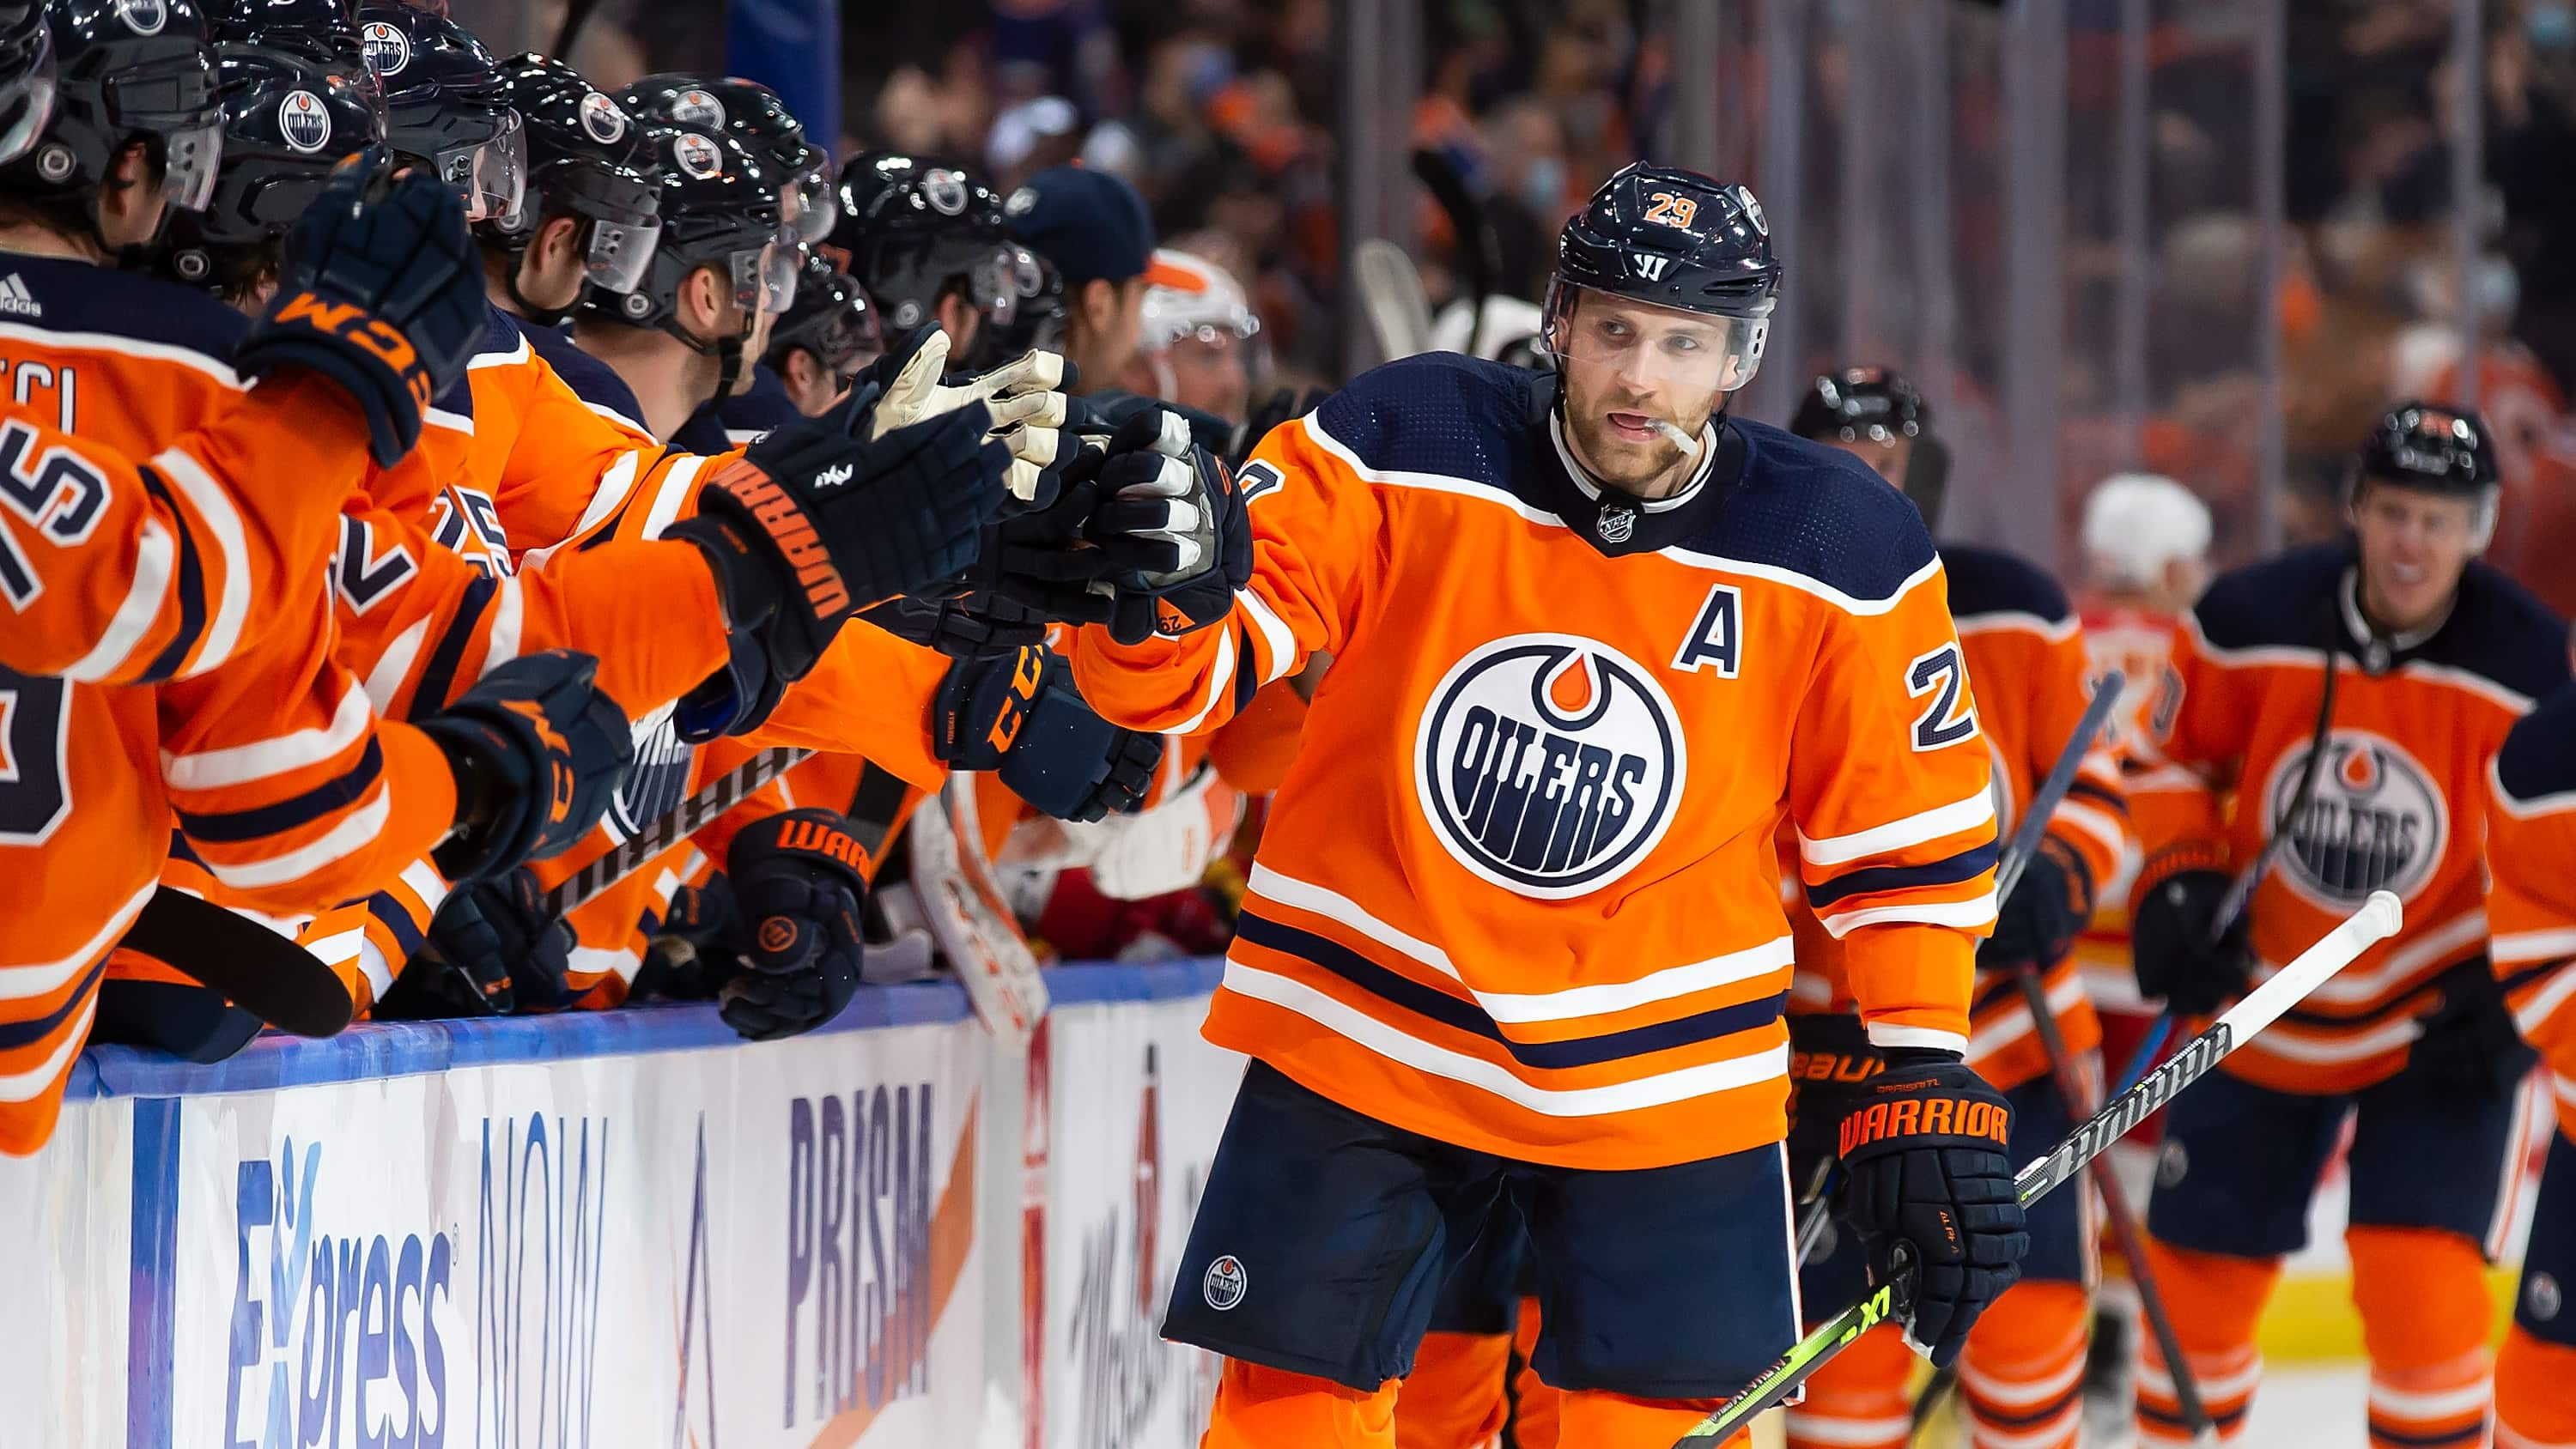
x: 686, y: 819
x: 2376, y: 921
x: 1391, y: 295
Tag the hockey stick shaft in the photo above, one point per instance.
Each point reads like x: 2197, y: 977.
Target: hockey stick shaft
x: 686, y: 819
x: 2377, y: 920
x: 1816, y: 1206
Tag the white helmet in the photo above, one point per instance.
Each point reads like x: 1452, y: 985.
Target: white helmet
x: 2135, y: 522
x: 1186, y: 295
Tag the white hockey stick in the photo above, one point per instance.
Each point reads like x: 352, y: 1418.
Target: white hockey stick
x: 1391, y: 294
x: 2377, y: 920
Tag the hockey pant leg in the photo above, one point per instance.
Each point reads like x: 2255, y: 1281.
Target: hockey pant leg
x: 1458, y: 1395
x: 2535, y: 1377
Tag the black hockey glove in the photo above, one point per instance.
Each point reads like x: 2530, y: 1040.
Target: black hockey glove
x: 538, y: 752
x: 1831, y: 1064
x: 494, y: 949
x: 1172, y: 528
x: 697, y: 950
x: 978, y: 625
x: 1023, y: 717
x: 1929, y: 1187
x: 1111, y: 411
x: 381, y: 291
x: 2049, y: 905
x: 812, y: 523
x: 2172, y: 912
x: 799, y: 879
x: 2470, y: 1046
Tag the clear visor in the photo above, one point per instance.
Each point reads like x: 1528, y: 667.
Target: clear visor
x: 811, y: 208
x: 1004, y: 282
x: 620, y: 252
x: 1209, y: 343
x: 766, y: 278
x: 191, y: 160
x: 29, y: 106
x: 491, y: 176
x: 1647, y: 346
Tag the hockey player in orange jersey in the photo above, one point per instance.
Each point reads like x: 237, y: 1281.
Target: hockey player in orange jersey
x: 2531, y: 910
x: 2022, y: 1368
x: 259, y: 751
x: 2352, y: 697
x: 1515, y: 930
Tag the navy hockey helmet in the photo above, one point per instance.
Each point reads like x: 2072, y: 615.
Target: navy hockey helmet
x: 913, y: 230
x: 26, y: 76
x: 1675, y: 239
x: 753, y: 114
x: 2433, y: 448
x: 589, y: 158
x: 830, y: 319
x: 328, y: 26
x: 1037, y: 313
x: 447, y: 104
x: 719, y: 210
x: 126, y: 71
x: 1878, y: 405
x: 290, y: 115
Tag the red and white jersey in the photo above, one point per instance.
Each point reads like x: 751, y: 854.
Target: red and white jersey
x: 2165, y: 800
x: 2400, y: 799
x: 1517, y: 890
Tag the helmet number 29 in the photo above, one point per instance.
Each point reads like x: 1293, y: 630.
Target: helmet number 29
x: 1671, y: 209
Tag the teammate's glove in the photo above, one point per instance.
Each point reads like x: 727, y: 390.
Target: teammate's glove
x: 1171, y: 528
x: 2038, y: 922
x: 537, y: 752
x: 696, y: 951
x: 1023, y: 717
x: 1929, y: 1187
x: 2172, y: 913
x: 1831, y: 1064
x: 977, y: 625
x: 799, y: 879
x: 493, y: 949
x: 381, y: 291
x: 1109, y: 411
x: 813, y: 523
x: 1025, y: 396
x: 2470, y: 1046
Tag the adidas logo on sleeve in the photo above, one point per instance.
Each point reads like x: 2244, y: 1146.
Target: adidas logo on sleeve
x: 16, y: 300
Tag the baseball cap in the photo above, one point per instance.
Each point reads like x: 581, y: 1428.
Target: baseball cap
x: 1089, y: 224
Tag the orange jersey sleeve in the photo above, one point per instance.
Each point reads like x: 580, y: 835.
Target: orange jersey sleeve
x: 1519, y: 890
x: 2531, y: 901
x: 2400, y: 796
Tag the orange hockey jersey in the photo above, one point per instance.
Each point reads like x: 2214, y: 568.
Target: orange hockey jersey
x: 1517, y: 892
x: 2400, y: 800
x: 267, y: 759
x: 2024, y: 645
x: 2531, y: 902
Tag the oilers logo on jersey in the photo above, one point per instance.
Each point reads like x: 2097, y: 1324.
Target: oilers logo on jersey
x: 2375, y: 822
x: 1548, y: 764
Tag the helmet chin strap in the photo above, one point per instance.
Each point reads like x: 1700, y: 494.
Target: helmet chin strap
x: 726, y: 350
x: 542, y: 316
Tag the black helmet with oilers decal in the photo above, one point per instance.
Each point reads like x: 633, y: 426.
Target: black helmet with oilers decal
x: 1671, y: 238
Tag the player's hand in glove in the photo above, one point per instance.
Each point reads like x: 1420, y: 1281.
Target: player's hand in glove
x: 1022, y: 717
x: 493, y: 949
x: 537, y: 752
x: 1831, y: 1064
x: 2470, y: 1046
x: 975, y: 625
x: 1025, y: 396
x: 1171, y: 528
x: 2172, y: 914
x: 380, y: 290
x: 1929, y: 1187
x: 2049, y: 905
x: 821, y: 519
x: 799, y: 879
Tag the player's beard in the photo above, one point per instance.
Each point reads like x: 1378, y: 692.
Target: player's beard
x: 1622, y: 462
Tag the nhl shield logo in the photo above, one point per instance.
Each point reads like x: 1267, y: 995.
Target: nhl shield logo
x: 304, y: 121
x: 2376, y: 822
x: 1548, y: 764
x: 388, y: 50
x: 698, y: 108
x: 1752, y: 210
x: 143, y: 17
x: 698, y: 157
x: 601, y: 120
x: 1617, y: 523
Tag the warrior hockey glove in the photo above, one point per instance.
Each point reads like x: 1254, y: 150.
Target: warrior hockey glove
x: 697, y: 949
x: 1023, y: 717
x: 537, y: 751
x: 2039, y: 921
x: 813, y: 524
x: 1925, y: 1170
x: 494, y: 949
x: 381, y: 291
x: 1025, y: 397
x: 2470, y: 1047
x: 1172, y: 529
x: 799, y: 879
x: 1831, y: 1064
x: 2173, y: 913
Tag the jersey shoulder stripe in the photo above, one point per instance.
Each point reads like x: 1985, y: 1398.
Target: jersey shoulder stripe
x: 1809, y: 510
x: 2502, y: 632
x: 1442, y: 414
x: 590, y: 379
x: 1986, y: 581
x: 504, y: 342
x: 2536, y: 769
x: 69, y: 297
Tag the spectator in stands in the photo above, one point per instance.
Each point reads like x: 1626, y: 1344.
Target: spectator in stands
x: 1093, y: 228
